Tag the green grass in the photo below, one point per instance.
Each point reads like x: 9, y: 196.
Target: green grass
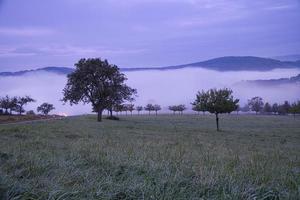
x: 152, y: 157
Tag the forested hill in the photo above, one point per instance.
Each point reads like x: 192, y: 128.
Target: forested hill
x: 229, y: 63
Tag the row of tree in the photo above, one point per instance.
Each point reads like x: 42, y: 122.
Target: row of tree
x: 257, y: 105
x: 8, y: 105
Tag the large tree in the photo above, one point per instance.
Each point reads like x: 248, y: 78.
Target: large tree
x: 256, y: 104
x: 217, y: 102
x: 97, y: 82
x: 45, y: 108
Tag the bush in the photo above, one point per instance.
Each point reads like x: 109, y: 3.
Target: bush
x: 30, y: 112
x: 113, y: 118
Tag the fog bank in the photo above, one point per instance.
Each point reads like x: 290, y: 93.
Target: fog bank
x: 159, y: 87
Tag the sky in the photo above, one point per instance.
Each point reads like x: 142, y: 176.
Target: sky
x: 143, y: 33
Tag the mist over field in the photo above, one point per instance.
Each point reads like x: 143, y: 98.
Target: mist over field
x: 159, y: 87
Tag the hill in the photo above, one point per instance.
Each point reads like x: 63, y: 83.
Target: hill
x: 275, y: 82
x: 229, y: 63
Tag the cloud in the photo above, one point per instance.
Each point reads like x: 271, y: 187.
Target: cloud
x: 26, y: 32
x: 63, y: 50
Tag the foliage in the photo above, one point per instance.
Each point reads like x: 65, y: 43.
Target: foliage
x: 180, y: 108
x: 267, y: 108
x: 216, y: 102
x: 149, y: 107
x: 156, y: 108
x: 256, y: 104
x: 45, y: 108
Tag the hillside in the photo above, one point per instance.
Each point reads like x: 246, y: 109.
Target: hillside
x: 229, y: 63
x: 275, y: 82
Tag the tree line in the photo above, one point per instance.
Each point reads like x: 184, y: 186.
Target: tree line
x: 10, y: 105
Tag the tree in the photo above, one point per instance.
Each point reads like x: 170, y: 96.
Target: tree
x: 284, y: 108
x: 275, y: 108
x: 156, y: 108
x: 128, y: 107
x: 139, y: 109
x: 99, y: 83
x: 149, y: 107
x: 267, y: 108
x: 45, y: 108
x: 173, y: 109
x: 5, y: 103
x: 217, y: 102
x: 21, y: 102
x: 295, y: 108
x: 256, y: 104
x: 181, y: 108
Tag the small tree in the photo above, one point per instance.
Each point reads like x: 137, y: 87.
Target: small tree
x: 181, y: 108
x: 45, y: 108
x: 21, y: 102
x: 295, y: 108
x: 217, y: 102
x: 173, y: 109
x: 130, y: 108
x: 256, y: 104
x: 156, y: 108
x: 275, y: 108
x: 284, y: 108
x: 139, y: 109
x: 267, y: 108
x: 149, y: 107
x: 5, y: 103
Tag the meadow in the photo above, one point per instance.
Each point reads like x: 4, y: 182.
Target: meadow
x: 152, y: 157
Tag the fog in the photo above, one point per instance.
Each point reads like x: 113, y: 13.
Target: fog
x: 159, y: 87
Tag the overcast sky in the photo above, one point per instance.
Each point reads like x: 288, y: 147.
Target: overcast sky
x: 143, y: 33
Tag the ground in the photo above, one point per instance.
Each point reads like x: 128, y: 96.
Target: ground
x: 4, y: 119
x: 152, y: 157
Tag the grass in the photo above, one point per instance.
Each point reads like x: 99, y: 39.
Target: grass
x: 152, y: 157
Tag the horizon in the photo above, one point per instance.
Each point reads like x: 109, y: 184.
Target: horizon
x: 149, y: 33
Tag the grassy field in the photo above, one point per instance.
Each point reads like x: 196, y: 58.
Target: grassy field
x: 152, y: 157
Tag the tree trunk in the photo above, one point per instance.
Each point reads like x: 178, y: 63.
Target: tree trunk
x: 217, y: 121
x: 99, y: 115
x: 111, y: 112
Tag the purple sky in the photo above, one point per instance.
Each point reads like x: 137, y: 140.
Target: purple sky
x: 142, y: 33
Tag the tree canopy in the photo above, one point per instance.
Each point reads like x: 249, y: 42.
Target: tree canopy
x: 45, y: 108
x: 216, y: 101
x: 97, y: 82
